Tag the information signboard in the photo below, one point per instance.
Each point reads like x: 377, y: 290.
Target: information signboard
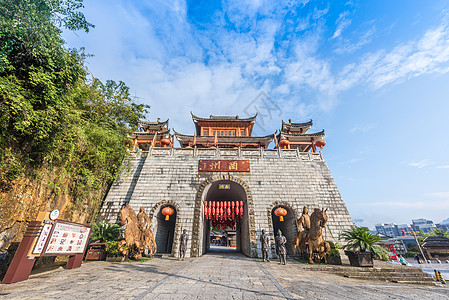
x: 43, y: 237
x: 67, y: 238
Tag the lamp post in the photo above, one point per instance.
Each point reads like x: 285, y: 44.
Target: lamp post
x: 419, y: 246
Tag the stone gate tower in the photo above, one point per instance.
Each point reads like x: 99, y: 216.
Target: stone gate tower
x: 223, y: 178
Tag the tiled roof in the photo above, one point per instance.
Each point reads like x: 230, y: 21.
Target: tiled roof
x: 316, y: 134
x: 300, y: 125
x: 223, y: 118
x: 157, y: 123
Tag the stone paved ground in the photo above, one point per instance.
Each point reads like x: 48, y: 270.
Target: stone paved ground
x: 212, y: 276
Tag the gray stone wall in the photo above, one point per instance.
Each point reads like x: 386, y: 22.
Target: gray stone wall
x: 166, y: 175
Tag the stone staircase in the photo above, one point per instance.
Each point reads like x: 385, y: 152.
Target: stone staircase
x: 386, y: 273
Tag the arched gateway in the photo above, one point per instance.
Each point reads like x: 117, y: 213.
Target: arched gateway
x: 237, y: 190
x: 261, y: 172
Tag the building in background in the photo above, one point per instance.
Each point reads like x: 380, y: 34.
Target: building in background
x: 404, y: 229
x: 390, y: 230
x: 422, y: 224
x: 443, y: 226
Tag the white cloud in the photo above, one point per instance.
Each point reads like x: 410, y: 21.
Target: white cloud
x: 363, y: 128
x: 426, y: 55
x: 444, y: 195
x: 342, y: 23
x: 443, y: 167
x: 172, y: 65
x: 350, y: 46
x: 319, y: 13
x: 420, y: 164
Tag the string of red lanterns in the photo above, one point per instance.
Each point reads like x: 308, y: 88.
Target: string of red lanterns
x: 223, y: 214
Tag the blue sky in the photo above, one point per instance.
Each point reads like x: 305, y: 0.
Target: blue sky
x: 373, y: 74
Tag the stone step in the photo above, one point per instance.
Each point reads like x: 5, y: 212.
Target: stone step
x: 399, y: 274
x: 388, y: 278
x: 364, y: 270
x: 430, y: 283
x: 423, y: 276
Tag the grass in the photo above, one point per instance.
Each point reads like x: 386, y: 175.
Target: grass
x: 144, y: 259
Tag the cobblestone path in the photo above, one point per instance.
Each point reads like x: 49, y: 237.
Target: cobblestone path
x: 212, y: 276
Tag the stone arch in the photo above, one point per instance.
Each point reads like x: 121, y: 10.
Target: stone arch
x: 197, y: 224
x: 293, y: 228
x: 153, y: 214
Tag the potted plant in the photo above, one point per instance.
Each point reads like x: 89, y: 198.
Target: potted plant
x: 114, y: 250
x: 361, y: 246
x: 101, y: 234
x: 333, y: 257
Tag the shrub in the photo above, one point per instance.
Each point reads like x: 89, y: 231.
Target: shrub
x: 104, y: 232
x: 112, y: 249
x: 333, y: 253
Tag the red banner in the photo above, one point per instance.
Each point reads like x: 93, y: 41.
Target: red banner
x: 223, y: 165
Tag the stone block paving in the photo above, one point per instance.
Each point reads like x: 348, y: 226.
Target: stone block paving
x: 212, y: 276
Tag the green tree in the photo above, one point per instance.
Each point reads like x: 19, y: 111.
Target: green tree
x: 432, y: 232
x: 359, y: 239
x: 52, y: 117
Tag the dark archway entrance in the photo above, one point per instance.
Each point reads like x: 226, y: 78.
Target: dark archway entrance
x: 288, y: 227
x: 238, y: 231
x: 165, y: 231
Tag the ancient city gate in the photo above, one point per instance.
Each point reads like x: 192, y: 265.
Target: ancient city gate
x: 237, y: 190
x: 292, y: 174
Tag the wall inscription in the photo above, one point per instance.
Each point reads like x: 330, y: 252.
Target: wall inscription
x: 207, y: 165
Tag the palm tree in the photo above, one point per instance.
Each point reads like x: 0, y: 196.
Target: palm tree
x: 359, y: 239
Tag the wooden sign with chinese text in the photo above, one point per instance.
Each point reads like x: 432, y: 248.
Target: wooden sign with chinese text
x: 223, y: 165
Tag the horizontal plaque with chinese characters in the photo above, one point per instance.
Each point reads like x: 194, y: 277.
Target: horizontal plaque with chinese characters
x: 223, y: 165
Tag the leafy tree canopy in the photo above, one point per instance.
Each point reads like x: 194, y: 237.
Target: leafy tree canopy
x: 51, y: 114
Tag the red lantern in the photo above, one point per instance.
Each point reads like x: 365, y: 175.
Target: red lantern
x: 208, y: 212
x: 167, y: 212
x: 321, y: 143
x: 284, y: 143
x: 281, y: 213
x: 165, y: 142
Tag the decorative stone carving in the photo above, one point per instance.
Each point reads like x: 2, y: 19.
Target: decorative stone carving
x: 299, y: 242
x: 183, y: 244
x: 281, y: 250
x: 318, y: 221
x: 147, y: 236
x: 137, y: 232
x: 265, y: 243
